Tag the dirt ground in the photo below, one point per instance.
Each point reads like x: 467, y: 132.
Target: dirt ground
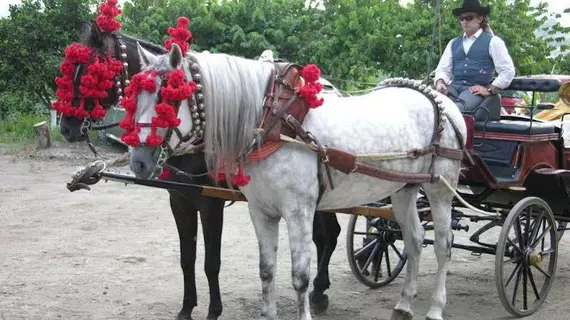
x: 112, y: 253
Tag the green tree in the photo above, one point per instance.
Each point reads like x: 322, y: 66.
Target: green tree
x: 33, y: 39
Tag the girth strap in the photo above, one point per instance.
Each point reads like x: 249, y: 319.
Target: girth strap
x: 346, y: 163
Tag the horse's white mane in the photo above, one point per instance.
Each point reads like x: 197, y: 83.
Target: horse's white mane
x: 233, y: 89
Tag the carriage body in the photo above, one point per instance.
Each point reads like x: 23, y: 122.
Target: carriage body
x: 518, y: 156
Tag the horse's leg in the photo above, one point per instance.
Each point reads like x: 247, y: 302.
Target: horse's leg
x: 299, y: 226
x: 186, y: 222
x: 267, y: 232
x: 325, y: 233
x: 212, y: 215
x: 440, y: 198
x: 404, y: 204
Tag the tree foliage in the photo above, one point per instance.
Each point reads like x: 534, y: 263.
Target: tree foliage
x: 355, y: 40
x: 33, y: 39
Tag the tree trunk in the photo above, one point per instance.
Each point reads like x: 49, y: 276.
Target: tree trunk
x: 43, y: 138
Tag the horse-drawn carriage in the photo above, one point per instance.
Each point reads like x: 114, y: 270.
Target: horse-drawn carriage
x: 516, y: 178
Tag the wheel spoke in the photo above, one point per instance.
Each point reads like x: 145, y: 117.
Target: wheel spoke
x: 388, y: 267
x: 541, y: 237
x: 537, y: 224
x: 378, y: 267
x: 525, y: 288
x: 363, y: 233
x: 367, y: 247
x: 511, y: 260
x: 514, y: 245
x: 527, y: 226
x: 397, y: 251
x: 519, y: 232
x: 545, y: 252
x: 371, y: 257
x: 533, y: 284
x: 516, y: 286
x: 542, y: 271
x: 515, y: 271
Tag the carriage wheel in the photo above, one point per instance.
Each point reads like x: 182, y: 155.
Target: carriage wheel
x: 525, y: 261
x: 374, y: 254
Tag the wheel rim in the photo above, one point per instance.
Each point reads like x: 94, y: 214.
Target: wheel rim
x: 526, y: 256
x: 376, y: 253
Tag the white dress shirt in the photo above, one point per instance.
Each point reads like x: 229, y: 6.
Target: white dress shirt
x: 498, y: 51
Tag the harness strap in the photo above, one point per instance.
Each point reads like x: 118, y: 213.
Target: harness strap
x: 346, y: 163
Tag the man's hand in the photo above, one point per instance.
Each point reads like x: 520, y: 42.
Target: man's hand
x: 441, y: 87
x: 479, y: 91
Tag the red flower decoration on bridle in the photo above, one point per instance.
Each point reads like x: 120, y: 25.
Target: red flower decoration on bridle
x: 180, y: 35
x: 176, y: 90
x: 312, y: 87
x: 106, y: 20
x: 93, y: 84
x: 97, y: 80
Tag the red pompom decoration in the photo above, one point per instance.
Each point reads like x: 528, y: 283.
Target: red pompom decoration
x: 93, y: 84
x: 311, y: 73
x: 165, y: 174
x: 108, y: 11
x: 180, y: 35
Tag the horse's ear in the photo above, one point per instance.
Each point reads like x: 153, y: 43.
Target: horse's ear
x: 175, y: 58
x: 145, y: 56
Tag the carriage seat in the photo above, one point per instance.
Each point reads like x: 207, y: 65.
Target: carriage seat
x: 490, y: 107
x: 522, y: 126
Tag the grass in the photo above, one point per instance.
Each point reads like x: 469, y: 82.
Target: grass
x: 20, y: 130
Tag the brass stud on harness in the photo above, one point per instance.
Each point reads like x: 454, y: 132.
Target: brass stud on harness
x: 123, y: 55
x: 123, y: 46
x: 203, y: 115
x: 194, y: 109
x: 127, y: 82
x: 200, y: 96
x: 197, y: 77
x: 195, y: 67
x: 125, y: 65
x: 201, y: 106
x: 195, y: 115
x: 197, y: 122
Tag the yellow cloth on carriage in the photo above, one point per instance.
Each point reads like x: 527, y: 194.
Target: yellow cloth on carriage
x: 560, y: 108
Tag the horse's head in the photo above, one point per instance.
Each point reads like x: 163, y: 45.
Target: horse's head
x: 165, y: 110
x: 95, y: 73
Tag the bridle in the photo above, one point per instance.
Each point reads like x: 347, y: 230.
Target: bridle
x: 192, y: 139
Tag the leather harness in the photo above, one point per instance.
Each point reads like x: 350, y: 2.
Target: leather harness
x: 284, y: 112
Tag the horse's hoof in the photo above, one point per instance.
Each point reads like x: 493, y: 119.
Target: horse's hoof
x: 184, y: 315
x: 401, y: 315
x: 319, y: 303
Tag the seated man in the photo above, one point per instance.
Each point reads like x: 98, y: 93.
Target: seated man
x: 470, y: 60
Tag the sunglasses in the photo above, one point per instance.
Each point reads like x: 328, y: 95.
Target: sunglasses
x: 466, y: 18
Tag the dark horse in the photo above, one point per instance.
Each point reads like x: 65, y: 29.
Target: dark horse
x: 185, y: 205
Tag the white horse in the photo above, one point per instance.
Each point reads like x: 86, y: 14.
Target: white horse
x: 285, y: 184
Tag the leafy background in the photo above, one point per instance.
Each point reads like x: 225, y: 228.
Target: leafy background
x: 356, y: 43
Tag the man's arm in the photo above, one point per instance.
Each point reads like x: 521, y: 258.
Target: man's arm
x: 444, y: 68
x: 503, y: 64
